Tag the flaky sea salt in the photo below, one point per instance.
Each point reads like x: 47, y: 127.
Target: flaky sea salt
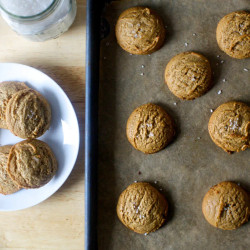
x: 245, y: 69
x: 224, y: 80
x: 142, y: 74
x: 211, y: 110
x: 155, y: 182
x: 186, y: 44
x: 143, y: 66
x: 221, y: 61
x: 175, y: 103
x: 194, y: 34
x: 219, y: 92
x: 151, y: 134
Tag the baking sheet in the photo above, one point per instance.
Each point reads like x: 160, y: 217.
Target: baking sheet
x: 187, y: 168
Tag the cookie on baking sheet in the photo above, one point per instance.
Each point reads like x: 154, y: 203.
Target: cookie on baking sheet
x: 7, y: 90
x: 140, y: 30
x: 28, y: 114
x: 142, y: 208
x: 7, y: 186
x: 31, y: 163
x: 233, y: 34
x: 226, y: 206
x: 188, y: 75
x: 229, y: 126
x: 150, y: 128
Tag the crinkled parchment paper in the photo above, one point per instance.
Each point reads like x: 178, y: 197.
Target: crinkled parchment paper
x: 187, y: 168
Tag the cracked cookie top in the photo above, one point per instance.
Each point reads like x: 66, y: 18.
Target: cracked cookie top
x: 226, y: 206
x: 188, y: 75
x: 150, y: 128
x: 233, y: 34
x: 229, y: 126
x: 140, y: 30
x: 142, y: 208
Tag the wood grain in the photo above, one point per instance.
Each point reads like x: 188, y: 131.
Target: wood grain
x: 58, y: 222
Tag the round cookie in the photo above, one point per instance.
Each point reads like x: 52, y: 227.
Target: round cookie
x: 7, y: 90
x: 7, y: 186
x: 188, y: 75
x: 142, y: 208
x: 28, y: 114
x: 233, y: 34
x: 140, y: 31
x: 31, y: 163
x: 226, y: 206
x: 229, y: 126
x: 150, y: 128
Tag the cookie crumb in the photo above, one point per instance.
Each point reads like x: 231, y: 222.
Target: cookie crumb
x: 219, y: 92
x: 139, y: 172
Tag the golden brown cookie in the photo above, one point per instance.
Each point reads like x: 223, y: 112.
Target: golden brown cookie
x: 7, y: 186
x: 226, y: 206
x: 150, y: 128
x: 31, y: 163
x: 7, y: 90
x: 229, y: 126
x: 142, y: 208
x: 233, y: 34
x: 28, y: 114
x: 188, y: 75
x: 140, y: 31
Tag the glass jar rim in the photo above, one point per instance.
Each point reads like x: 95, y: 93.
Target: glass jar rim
x: 32, y: 17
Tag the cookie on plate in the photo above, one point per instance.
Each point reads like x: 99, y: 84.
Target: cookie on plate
x: 142, y: 208
x: 233, y: 34
x: 28, y: 114
x: 188, y: 75
x: 7, y: 186
x: 229, y: 126
x: 150, y: 128
x: 140, y: 31
x: 7, y: 90
x: 226, y: 206
x: 31, y: 163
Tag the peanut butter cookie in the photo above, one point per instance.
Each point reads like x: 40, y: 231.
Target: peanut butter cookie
x: 188, y: 75
x: 7, y: 90
x: 229, y: 126
x: 142, y: 208
x: 150, y: 128
x: 7, y: 186
x: 28, y: 114
x: 140, y: 30
x: 233, y: 34
x: 31, y: 163
x: 226, y: 206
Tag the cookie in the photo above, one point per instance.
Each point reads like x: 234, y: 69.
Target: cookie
x: 150, y: 128
x: 7, y: 90
x: 28, y: 114
x: 229, y: 126
x: 188, y: 75
x: 142, y: 208
x: 7, y: 186
x: 226, y: 206
x: 233, y: 34
x: 140, y: 31
x: 31, y: 163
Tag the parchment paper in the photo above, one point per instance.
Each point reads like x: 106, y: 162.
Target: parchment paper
x: 187, y: 168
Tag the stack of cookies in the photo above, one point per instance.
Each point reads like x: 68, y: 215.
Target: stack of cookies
x: 27, y: 114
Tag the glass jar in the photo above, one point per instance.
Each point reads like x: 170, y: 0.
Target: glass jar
x: 34, y: 20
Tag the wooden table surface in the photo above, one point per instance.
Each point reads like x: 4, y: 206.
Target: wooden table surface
x: 58, y: 222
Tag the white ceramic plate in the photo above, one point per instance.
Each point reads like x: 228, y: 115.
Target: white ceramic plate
x: 62, y: 136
